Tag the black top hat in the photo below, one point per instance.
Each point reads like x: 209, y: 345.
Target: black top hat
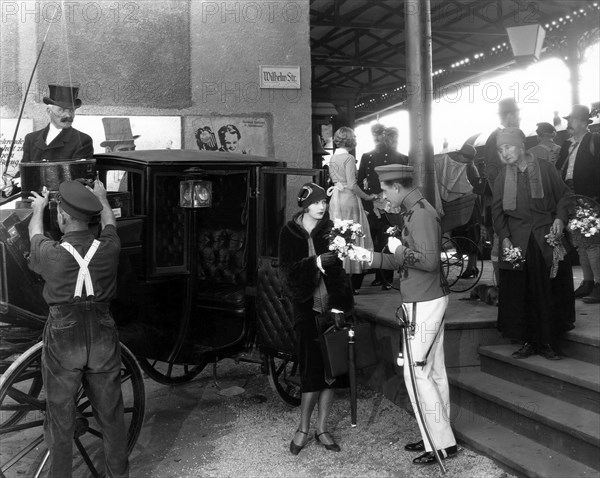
x: 63, y: 96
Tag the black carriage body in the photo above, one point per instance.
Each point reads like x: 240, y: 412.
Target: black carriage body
x: 191, y: 267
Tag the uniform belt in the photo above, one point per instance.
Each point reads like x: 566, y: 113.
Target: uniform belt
x: 81, y: 304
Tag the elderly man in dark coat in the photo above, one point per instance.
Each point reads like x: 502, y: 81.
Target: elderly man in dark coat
x: 58, y: 141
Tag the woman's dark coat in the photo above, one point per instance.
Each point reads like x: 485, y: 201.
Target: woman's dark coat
x: 299, y: 273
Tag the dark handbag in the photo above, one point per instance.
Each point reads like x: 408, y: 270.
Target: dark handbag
x: 334, y: 346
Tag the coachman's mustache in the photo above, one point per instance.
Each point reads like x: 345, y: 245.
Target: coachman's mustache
x: 68, y: 119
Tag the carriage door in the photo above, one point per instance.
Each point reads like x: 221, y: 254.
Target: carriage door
x: 277, y: 203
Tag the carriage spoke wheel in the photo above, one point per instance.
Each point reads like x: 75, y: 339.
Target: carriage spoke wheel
x: 453, y: 263
x: 169, y: 373
x: 465, y: 284
x: 22, y: 409
x: 284, y: 378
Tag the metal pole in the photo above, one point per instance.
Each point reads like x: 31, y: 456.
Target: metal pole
x: 352, y: 375
x: 419, y: 88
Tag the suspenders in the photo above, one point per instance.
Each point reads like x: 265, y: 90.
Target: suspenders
x: 84, y: 273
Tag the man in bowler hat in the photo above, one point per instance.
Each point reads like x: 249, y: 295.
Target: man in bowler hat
x: 579, y: 166
x: 58, y: 141
x: 80, y: 343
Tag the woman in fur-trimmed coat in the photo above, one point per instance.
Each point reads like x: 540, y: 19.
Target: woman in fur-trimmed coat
x: 314, y: 280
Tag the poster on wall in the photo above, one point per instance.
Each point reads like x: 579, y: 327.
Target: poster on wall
x: 123, y: 133
x: 241, y: 134
x: 7, y: 131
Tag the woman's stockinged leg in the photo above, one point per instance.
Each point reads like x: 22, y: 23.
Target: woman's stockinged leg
x: 307, y: 405
x: 325, y: 402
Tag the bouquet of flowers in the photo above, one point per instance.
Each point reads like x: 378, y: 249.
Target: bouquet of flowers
x: 394, y: 231
x: 514, y: 255
x: 558, y: 251
x: 343, y: 236
x: 584, y: 226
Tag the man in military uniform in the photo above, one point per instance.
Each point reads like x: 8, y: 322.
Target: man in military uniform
x: 425, y: 294
x: 81, y: 344
x: 385, y: 152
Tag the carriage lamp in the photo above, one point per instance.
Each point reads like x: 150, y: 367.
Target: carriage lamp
x: 195, y: 193
x: 526, y: 42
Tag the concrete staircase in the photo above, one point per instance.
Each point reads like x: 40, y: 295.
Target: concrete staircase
x: 540, y: 418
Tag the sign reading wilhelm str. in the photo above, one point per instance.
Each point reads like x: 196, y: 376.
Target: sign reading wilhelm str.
x: 280, y: 77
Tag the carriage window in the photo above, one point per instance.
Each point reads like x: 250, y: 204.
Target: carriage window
x: 116, y: 180
x: 124, y: 192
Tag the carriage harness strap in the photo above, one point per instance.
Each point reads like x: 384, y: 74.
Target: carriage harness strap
x: 84, y: 273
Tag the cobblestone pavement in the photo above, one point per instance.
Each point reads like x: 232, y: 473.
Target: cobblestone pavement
x: 244, y: 430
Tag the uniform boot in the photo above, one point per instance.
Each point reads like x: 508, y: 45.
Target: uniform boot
x: 594, y: 297
x: 584, y: 289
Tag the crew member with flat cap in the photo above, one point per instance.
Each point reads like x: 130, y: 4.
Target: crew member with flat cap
x: 58, y: 141
x: 579, y: 166
x: 80, y: 344
x: 424, y: 291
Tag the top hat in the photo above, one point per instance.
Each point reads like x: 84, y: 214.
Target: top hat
x: 389, y: 172
x: 63, y: 96
x: 78, y: 201
x: 580, y: 112
x: 507, y: 105
x: 117, y: 130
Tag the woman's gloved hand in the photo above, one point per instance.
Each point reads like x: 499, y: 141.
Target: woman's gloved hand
x: 329, y: 259
x: 361, y: 254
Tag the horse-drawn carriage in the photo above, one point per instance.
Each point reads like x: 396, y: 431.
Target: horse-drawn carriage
x: 197, y: 283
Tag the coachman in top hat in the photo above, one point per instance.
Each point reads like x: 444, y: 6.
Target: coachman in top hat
x: 58, y: 141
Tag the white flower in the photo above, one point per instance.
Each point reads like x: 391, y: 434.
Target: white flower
x: 339, y: 242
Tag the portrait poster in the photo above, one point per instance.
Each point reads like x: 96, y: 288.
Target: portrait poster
x: 7, y: 131
x: 146, y: 132
x: 242, y: 134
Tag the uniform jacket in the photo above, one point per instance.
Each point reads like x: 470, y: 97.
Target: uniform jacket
x: 419, y: 255
x: 367, y: 179
x: 69, y: 144
x: 586, y: 172
x: 298, y: 271
x: 531, y: 216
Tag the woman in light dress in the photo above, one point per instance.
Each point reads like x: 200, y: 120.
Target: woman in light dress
x: 346, y: 197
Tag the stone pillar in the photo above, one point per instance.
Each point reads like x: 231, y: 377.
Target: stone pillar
x: 419, y: 90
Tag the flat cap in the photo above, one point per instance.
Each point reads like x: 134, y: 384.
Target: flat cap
x: 389, y: 172
x: 78, y: 201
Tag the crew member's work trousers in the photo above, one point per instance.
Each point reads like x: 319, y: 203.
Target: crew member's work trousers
x: 431, y: 379
x: 81, y: 347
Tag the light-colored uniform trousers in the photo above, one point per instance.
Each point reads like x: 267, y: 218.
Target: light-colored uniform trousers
x: 431, y: 379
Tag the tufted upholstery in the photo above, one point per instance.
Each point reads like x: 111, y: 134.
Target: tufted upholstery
x: 274, y: 310
x: 222, y: 268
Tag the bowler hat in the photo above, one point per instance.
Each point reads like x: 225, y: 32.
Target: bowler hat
x: 78, y: 201
x: 63, y: 96
x: 389, y: 172
x: 117, y: 130
x: 468, y: 151
x: 580, y: 112
x: 545, y: 128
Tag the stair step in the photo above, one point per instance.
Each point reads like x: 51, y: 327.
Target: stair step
x: 521, y: 454
x: 571, y: 380
x: 554, y: 423
x: 582, y: 343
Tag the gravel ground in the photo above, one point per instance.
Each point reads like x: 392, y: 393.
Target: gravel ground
x: 244, y: 430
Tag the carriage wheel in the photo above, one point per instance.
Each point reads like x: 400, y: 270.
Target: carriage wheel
x: 170, y: 373
x: 23, y: 450
x: 453, y: 263
x: 285, y: 379
x: 463, y: 285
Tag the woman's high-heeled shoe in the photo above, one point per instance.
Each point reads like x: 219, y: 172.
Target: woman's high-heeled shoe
x: 295, y: 449
x: 332, y: 447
